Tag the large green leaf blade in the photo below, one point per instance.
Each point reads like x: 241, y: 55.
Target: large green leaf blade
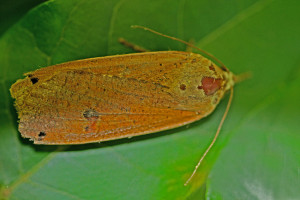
x: 248, y: 36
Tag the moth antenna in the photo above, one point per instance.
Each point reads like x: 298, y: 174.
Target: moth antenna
x: 215, y: 138
x: 184, y: 42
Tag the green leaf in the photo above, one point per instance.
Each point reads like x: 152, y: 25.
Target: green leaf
x: 12, y: 11
x: 257, y: 155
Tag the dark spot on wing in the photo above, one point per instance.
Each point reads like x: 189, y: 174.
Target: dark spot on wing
x: 182, y: 86
x: 91, y: 114
x: 42, y: 134
x: 34, y: 80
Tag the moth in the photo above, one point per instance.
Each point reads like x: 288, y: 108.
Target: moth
x: 120, y: 96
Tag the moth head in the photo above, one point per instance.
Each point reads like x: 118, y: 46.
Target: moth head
x: 229, y: 78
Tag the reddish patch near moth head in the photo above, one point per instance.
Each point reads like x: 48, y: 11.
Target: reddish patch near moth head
x: 211, y: 85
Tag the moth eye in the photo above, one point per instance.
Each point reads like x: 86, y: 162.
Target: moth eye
x: 34, y: 80
x: 200, y: 87
x: 182, y: 87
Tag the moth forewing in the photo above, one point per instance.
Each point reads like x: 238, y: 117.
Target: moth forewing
x: 113, y: 97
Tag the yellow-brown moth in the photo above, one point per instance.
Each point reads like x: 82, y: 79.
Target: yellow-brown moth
x: 112, y: 97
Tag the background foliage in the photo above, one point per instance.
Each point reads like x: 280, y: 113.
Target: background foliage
x: 257, y: 155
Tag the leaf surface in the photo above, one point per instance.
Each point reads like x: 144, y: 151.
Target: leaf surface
x: 257, y: 155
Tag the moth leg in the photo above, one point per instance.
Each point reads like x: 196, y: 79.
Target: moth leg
x: 189, y: 48
x: 132, y: 46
